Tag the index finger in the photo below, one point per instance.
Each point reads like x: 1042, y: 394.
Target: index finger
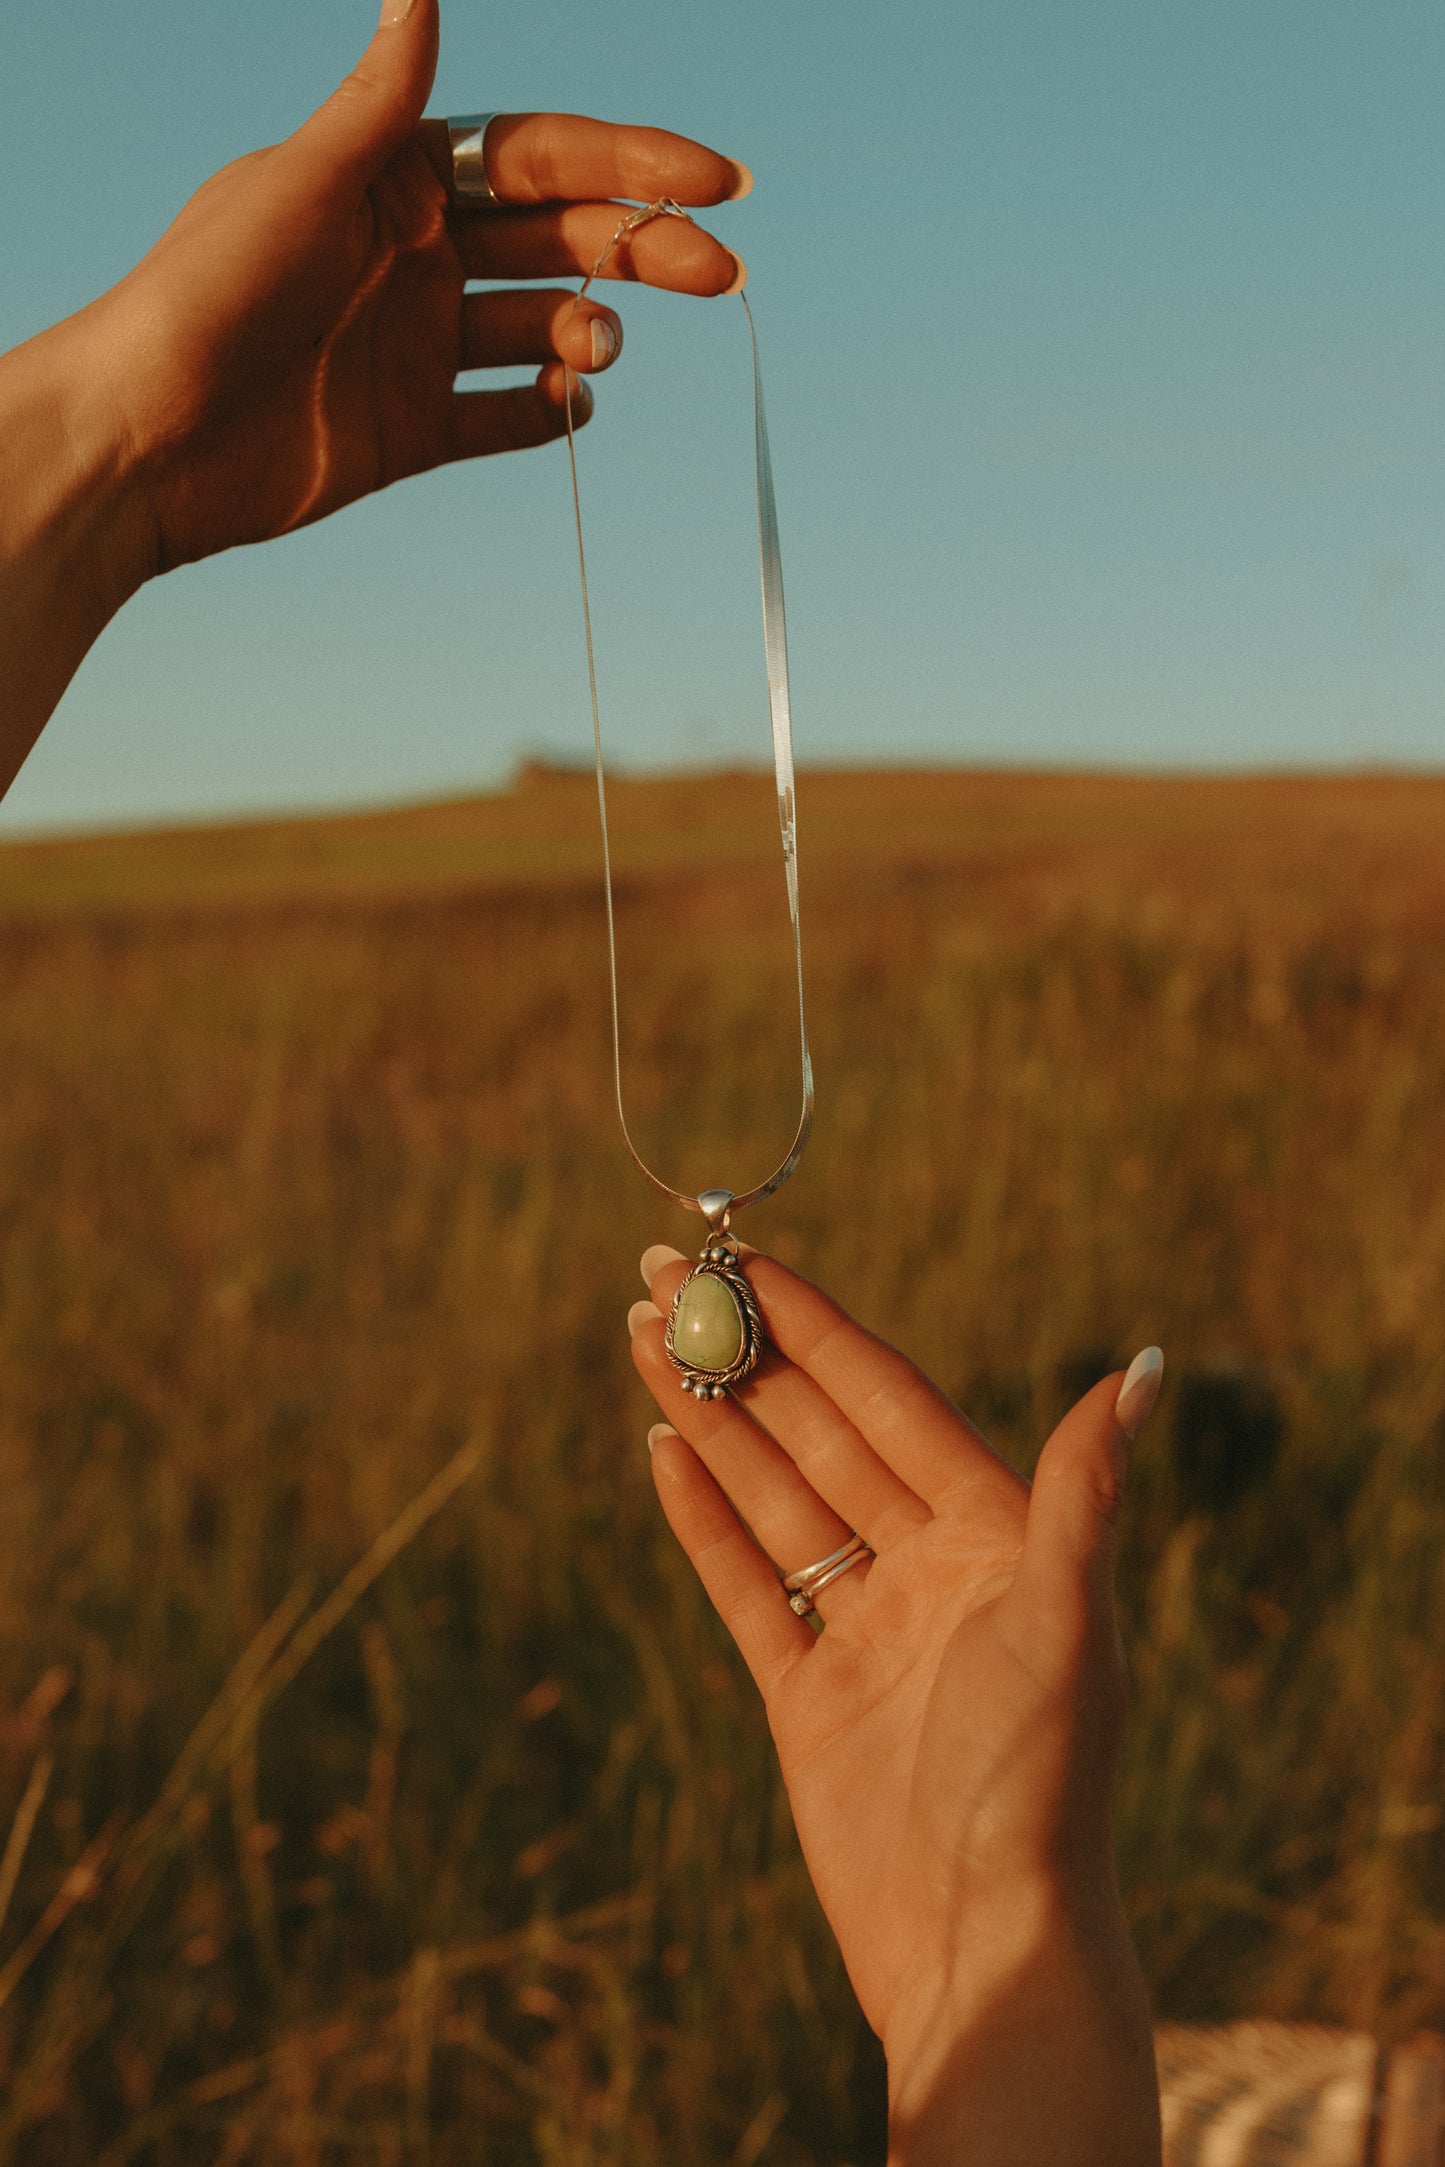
x: 909, y: 1423
x: 567, y: 157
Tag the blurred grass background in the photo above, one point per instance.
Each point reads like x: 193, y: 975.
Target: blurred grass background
x: 378, y: 1785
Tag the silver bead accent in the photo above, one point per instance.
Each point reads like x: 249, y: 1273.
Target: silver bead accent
x: 719, y: 1391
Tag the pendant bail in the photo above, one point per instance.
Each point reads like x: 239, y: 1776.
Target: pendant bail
x: 715, y: 1206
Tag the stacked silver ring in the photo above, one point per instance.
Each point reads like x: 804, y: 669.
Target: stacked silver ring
x: 802, y: 1587
x: 468, y: 133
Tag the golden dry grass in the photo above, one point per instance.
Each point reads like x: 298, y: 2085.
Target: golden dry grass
x: 310, y: 1196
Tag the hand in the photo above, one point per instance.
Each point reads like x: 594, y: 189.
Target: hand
x: 949, y: 1739
x: 293, y: 341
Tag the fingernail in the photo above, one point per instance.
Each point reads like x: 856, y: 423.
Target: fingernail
x: 639, y: 1314
x: 1139, y: 1391
x: 394, y: 12
x: 742, y: 181
x: 605, y: 342
x: 654, y: 1259
x: 659, y: 1430
x: 740, y: 280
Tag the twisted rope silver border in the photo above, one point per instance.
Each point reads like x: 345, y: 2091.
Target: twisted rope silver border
x: 718, y: 1381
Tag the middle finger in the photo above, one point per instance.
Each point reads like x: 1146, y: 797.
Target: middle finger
x: 556, y: 240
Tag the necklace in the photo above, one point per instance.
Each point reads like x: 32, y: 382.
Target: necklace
x: 714, y: 1330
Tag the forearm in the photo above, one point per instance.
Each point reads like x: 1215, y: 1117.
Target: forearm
x: 1043, y: 2059
x: 73, y: 546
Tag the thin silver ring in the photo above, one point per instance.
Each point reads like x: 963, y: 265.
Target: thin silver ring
x: 468, y: 134
x: 807, y: 1572
x: 803, y: 1601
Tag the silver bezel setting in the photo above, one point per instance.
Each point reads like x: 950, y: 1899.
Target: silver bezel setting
x: 717, y: 1263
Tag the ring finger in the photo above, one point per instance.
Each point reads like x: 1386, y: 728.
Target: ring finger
x: 500, y: 330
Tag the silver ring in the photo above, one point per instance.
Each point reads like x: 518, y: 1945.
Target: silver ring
x: 808, y: 1572
x: 802, y: 1587
x: 803, y: 1602
x: 468, y: 133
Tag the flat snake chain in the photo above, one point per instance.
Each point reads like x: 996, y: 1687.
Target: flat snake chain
x: 775, y: 646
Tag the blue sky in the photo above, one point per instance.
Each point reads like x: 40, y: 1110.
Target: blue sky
x: 1105, y: 352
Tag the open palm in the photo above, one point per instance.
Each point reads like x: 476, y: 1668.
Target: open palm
x: 948, y: 1740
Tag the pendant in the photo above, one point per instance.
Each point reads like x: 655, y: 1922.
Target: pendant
x: 714, y: 1328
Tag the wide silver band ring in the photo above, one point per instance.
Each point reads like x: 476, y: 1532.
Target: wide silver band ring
x: 804, y: 1586
x: 468, y: 135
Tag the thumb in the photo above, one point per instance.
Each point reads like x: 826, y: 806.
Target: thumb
x: 369, y: 116
x: 1066, y: 1575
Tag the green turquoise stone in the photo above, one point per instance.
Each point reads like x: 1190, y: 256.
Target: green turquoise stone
x: 707, y: 1326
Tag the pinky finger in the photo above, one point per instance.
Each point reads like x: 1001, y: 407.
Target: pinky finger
x: 741, y: 1582
x: 514, y: 420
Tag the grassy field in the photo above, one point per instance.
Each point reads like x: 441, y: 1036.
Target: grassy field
x: 379, y: 1786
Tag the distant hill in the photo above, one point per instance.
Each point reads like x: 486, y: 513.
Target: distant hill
x: 544, y: 830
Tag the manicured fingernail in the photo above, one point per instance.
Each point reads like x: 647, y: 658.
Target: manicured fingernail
x: 659, y: 1430
x: 740, y: 280
x: 742, y: 181
x: 656, y: 1257
x: 395, y: 11
x: 1139, y: 1391
x: 605, y: 342
x: 639, y: 1314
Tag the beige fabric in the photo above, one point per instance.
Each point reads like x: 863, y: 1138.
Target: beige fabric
x: 1266, y: 2095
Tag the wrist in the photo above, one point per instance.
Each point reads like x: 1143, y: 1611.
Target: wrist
x: 75, y: 541
x: 69, y: 478
x: 1034, y: 2047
